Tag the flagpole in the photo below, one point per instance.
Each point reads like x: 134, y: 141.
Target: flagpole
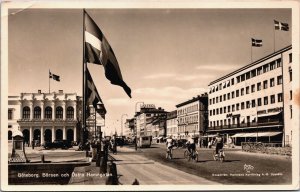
x: 49, y: 80
x: 274, y: 37
x: 251, y: 51
x: 83, y: 82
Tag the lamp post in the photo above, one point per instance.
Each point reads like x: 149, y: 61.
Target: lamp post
x: 136, y: 126
x: 122, y: 123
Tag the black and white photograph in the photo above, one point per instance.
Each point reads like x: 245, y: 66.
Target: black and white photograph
x: 149, y: 95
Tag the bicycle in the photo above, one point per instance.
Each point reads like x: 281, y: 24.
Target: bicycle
x: 194, y: 155
x: 169, y: 154
x: 220, y: 156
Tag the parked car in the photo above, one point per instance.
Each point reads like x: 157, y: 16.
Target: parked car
x: 63, y: 144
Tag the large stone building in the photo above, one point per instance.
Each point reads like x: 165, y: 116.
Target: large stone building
x: 255, y: 101
x: 172, y: 125
x: 192, y: 117
x: 45, y: 116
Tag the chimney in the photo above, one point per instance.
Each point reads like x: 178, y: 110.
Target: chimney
x: 60, y: 91
x: 39, y: 91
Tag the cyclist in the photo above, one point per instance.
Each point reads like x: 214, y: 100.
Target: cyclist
x: 218, y: 142
x: 169, y: 144
x: 191, y: 145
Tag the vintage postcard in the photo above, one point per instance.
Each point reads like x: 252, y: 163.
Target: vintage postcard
x: 149, y: 95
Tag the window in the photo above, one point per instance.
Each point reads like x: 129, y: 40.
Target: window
x: 217, y: 111
x: 272, y: 82
x: 253, y: 103
x: 248, y: 75
x: 237, y: 93
x: 224, y: 97
x: 210, y: 112
x: 258, y: 86
x: 237, y: 106
x: 26, y: 112
x: 228, y: 109
x: 290, y: 74
x: 291, y: 111
x: 265, y: 84
x: 291, y: 95
x: 242, y: 91
x: 290, y: 57
x: 228, y: 96
x: 213, y: 100
x: 238, y: 79
x: 253, y: 73
x: 279, y: 62
x: 59, y: 113
x: 248, y: 104
x: 37, y: 113
x: 214, y: 112
x: 232, y: 81
x: 221, y: 110
x: 259, y: 102
x: 242, y: 105
x: 253, y: 88
x: 279, y: 80
x: 220, y: 86
x: 265, y: 100
x: 224, y: 109
x: 272, y: 97
x: 279, y: 97
x: 221, y: 98
x: 70, y: 113
x: 243, y: 77
x: 10, y: 114
x: 217, y: 99
x: 247, y: 90
x: 233, y: 108
x: 266, y: 68
x: 48, y: 113
x: 210, y: 101
x: 232, y: 94
x: 272, y: 65
x: 259, y: 70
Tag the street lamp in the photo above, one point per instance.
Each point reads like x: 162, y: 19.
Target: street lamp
x: 122, y: 123
x: 136, y: 126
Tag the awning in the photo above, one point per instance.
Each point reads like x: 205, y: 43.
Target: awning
x: 159, y: 137
x: 238, y: 135
x: 259, y: 134
x: 209, y: 136
x: 269, y: 114
x: 268, y: 134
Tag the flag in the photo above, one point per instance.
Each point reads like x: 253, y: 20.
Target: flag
x: 281, y: 26
x: 256, y: 42
x: 53, y: 76
x: 98, y: 51
x: 92, y: 96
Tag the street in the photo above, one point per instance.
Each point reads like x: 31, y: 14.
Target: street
x: 239, y: 167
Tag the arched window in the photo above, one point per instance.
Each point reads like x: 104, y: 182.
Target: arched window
x: 37, y: 113
x: 26, y: 112
x: 59, y: 113
x: 70, y: 113
x: 48, y: 113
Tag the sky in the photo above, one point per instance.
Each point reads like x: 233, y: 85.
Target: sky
x: 166, y: 56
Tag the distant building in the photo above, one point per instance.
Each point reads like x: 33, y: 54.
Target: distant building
x: 151, y: 121
x: 172, y: 124
x: 45, y: 116
x: 254, y: 102
x: 192, y: 117
x: 129, y: 128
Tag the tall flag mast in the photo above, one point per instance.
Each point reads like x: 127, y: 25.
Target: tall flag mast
x: 54, y: 77
x: 255, y: 43
x: 279, y: 26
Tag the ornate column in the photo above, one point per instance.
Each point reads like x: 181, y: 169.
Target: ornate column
x: 42, y: 110
x: 75, y: 110
x: 30, y: 135
x: 31, y: 110
x: 64, y: 110
x: 42, y: 135
x: 75, y: 133
x: 53, y: 134
x: 53, y: 110
x: 64, y: 132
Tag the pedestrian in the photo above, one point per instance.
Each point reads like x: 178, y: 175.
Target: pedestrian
x: 32, y: 144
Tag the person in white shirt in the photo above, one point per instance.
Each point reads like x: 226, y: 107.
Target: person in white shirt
x: 191, y: 145
x: 170, y: 144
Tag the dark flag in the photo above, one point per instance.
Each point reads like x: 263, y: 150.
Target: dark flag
x: 281, y: 26
x: 98, y: 51
x: 53, y: 76
x: 92, y: 96
x: 256, y: 43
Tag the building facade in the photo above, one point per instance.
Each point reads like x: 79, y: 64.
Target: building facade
x: 254, y: 102
x: 45, y: 117
x: 192, y: 117
x: 172, y: 124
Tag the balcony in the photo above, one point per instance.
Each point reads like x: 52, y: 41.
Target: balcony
x: 245, y: 125
x: 49, y: 122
